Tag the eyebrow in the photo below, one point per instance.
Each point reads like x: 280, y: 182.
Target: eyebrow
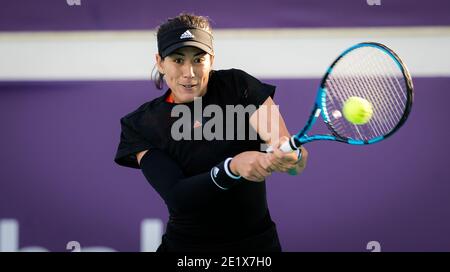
x: 181, y: 54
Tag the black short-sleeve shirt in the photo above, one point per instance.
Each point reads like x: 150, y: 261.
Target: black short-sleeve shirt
x: 150, y: 125
x: 239, y: 213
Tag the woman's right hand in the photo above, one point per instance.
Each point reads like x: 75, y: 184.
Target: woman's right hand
x: 251, y: 165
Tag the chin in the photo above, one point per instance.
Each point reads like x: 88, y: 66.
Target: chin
x: 186, y: 98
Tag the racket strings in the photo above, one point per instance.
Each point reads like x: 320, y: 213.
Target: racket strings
x: 358, y: 83
x: 394, y: 110
x: 372, y: 74
x: 388, y: 112
x: 371, y: 80
x: 388, y: 80
x: 343, y: 86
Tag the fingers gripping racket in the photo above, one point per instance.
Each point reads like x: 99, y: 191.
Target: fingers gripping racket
x: 364, y: 97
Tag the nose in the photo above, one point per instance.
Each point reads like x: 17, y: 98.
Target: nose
x: 188, y: 70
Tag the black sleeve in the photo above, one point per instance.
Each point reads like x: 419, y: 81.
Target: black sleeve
x: 251, y: 90
x: 182, y: 193
x: 131, y: 142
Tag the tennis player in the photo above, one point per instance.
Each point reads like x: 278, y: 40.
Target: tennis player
x: 214, y: 189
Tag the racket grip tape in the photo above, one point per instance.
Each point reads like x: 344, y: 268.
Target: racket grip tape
x: 286, y: 147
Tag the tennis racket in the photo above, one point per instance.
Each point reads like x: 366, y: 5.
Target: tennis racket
x: 369, y: 71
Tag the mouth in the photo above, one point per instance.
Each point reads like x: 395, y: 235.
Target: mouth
x: 189, y: 86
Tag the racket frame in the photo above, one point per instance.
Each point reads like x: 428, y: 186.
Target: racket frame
x: 320, y: 106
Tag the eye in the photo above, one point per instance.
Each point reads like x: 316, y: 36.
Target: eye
x: 178, y: 60
x: 199, y: 60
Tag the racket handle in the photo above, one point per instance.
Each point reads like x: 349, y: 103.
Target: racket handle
x: 286, y: 147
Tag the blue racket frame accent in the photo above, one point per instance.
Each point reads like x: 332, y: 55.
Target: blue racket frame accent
x: 320, y: 104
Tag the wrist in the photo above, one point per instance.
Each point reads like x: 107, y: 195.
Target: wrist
x: 232, y: 167
x: 229, y: 170
x: 223, y: 177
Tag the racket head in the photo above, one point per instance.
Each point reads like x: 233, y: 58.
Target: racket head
x: 371, y: 71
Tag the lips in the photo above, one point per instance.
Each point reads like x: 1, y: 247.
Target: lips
x: 188, y: 86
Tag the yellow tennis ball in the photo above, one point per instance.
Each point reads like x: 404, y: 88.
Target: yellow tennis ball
x: 357, y: 110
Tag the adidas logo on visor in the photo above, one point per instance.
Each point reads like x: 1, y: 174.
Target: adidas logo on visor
x: 187, y: 35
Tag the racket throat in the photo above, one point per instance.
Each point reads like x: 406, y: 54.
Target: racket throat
x: 294, y: 143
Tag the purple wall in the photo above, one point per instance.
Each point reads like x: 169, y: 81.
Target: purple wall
x: 59, y: 181
x: 143, y: 14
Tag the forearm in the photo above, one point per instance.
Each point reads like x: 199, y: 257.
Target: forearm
x: 179, y: 192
